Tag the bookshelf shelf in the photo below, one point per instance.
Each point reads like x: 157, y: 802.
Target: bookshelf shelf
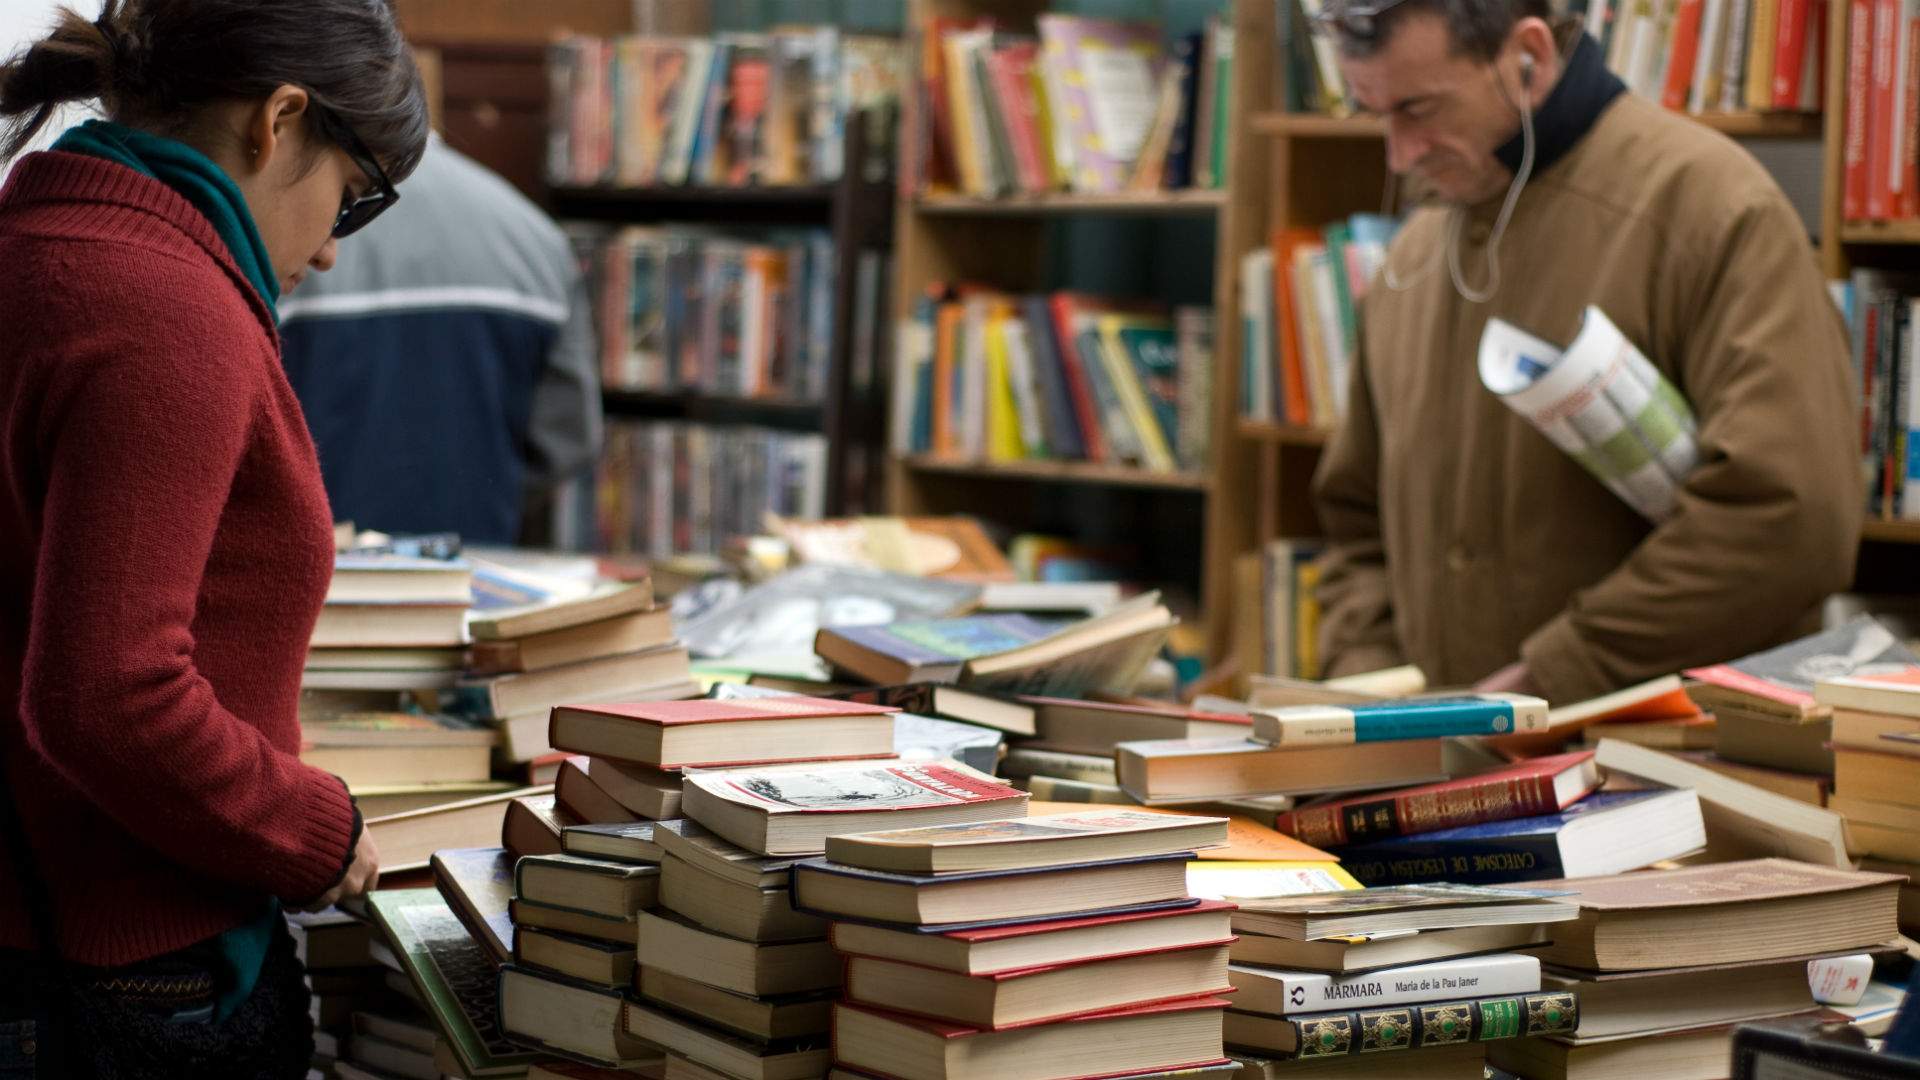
x: 1076, y: 472
x: 1889, y: 233
x: 804, y: 203
x: 1740, y: 125
x: 1283, y: 434
x: 1131, y: 202
x: 1891, y: 532
x: 707, y: 408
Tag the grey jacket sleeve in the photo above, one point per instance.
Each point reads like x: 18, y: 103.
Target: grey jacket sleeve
x: 566, y: 428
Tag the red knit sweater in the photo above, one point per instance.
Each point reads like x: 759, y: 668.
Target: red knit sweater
x: 164, y: 549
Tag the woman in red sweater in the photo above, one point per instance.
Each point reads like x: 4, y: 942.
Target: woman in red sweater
x: 165, y: 542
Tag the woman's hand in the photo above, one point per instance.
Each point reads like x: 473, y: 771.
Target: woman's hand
x: 362, y: 876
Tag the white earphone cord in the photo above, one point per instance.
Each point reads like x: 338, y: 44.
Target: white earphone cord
x: 1471, y: 295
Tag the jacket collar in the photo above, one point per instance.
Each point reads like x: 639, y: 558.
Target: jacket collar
x: 1584, y: 91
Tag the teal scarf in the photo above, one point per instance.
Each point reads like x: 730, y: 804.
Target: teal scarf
x: 196, y: 178
x: 243, y: 949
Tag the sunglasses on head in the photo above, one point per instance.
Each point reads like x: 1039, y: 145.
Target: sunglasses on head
x: 358, y: 213
x: 1360, y: 21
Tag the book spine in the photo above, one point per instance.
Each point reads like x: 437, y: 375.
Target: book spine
x: 1487, y: 976
x: 1179, y: 169
x: 1684, y: 54
x: 1760, y: 53
x: 1907, y: 162
x: 1085, y: 409
x: 1859, y: 63
x: 1882, y: 112
x: 1443, y: 1023
x: 1790, y: 41
x: 1363, y: 820
x: 1329, y: 725
x: 1479, y: 861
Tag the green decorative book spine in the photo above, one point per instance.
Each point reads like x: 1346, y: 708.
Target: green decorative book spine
x: 1410, y: 1027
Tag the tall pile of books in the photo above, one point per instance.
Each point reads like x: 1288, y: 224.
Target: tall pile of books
x: 723, y: 314
x: 1693, y: 56
x: 731, y: 111
x: 1040, y: 947
x: 1093, y: 106
x: 1876, y: 755
x: 614, y: 643
x: 1355, y: 979
x: 988, y: 375
x: 1880, y: 171
x: 666, y: 489
x: 1299, y: 321
x: 1664, y: 962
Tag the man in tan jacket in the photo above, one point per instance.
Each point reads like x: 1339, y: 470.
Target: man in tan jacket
x: 1461, y: 539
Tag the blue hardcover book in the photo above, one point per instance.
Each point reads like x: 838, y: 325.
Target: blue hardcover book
x: 926, y: 650
x: 1607, y: 833
x: 1179, y: 170
x: 1408, y: 718
x: 1062, y: 426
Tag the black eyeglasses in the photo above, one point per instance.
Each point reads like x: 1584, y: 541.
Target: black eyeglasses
x: 358, y: 213
x: 1360, y: 21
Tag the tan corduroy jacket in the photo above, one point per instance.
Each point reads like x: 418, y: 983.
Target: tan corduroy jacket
x: 1462, y: 540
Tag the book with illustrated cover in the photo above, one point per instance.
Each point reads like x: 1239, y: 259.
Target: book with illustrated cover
x: 1110, y: 74
x: 1409, y: 1027
x: 1529, y: 788
x: 1608, y: 833
x: 1783, y: 679
x: 1274, y: 992
x: 791, y: 810
x: 477, y: 884
x: 1057, y: 839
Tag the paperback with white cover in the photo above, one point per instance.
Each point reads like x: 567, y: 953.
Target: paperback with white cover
x: 1286, y: 993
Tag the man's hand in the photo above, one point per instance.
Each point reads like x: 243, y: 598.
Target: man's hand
x: 362, y: 876
x: 1512, y: 679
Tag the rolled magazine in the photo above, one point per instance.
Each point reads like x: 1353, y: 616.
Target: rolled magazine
x: 1602, y: 402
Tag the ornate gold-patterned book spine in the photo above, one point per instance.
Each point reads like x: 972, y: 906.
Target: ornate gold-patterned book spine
x: 1409, y: 1027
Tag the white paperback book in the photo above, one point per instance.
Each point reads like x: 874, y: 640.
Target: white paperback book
x: 1291, y: 993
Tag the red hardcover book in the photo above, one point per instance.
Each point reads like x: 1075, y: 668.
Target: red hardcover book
x: 1908, y: 203
x: 1790, y: 52
x: 1293, y: 369
x: 1065, y: 306
x: 1011, y: 69
x: 1686, y: 53
x: 1099, y: 1041
x: 1881, y: 111
x: 701, y: 732
x: 1531, y: 788
x: 578, y: 795
x: 1859, y: 65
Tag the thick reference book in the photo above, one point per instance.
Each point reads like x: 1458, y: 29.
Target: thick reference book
x: 609, y: 890
x: 1204, y: 770
x: 741, y: 731
x: 1053, y: 840
x: 1138, y: 1039
x: 569, y: 1017
x: 830, y: 889
x: 990, y: 950
x: 1406, y: 718
x: 1607, y: 833
x: 792, y: 809
x: 1277, y: 992
x: 1406, y: 1027
x: 1527, y: 789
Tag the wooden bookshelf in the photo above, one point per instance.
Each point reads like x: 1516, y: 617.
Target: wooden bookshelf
x: 809, y: 204
x: 1130, y: 202
x: 953, y: 238
x: 1740, y: 125
x: 712, y: 409
x: 1888, y: 233
x: 1056, y: 472
x: 1891, y: 532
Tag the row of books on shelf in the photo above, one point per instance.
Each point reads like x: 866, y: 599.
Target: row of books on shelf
x: 1695, y: 56
x: 720, y: 313
x: 1880, y: 320
x: 733, y: 110
x: 665, y: 488
x: 1279, y: 618
x: 1881, y: 161
x: 1088, y: 105
x: 1299, y: 318
x: 988, y: 375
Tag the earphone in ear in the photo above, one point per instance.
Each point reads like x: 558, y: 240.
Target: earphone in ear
x: 1526, y: 71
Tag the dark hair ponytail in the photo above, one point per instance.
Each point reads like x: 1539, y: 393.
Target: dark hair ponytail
x: 156, y: 64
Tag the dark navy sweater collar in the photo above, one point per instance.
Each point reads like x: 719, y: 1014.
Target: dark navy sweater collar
x: 1584, y: 91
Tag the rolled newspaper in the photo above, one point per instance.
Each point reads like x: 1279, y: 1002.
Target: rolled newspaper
x: 1602, y: 402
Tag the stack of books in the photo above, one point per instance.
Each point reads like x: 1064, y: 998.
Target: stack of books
x: 989, y: 375
x: 1336, y: 978
x: 735, y: 110
x: 1876, y: 785
x: 1299, y: 317
x: 390, y: 622
x: 394, y: 761
x: 734, y: 975
x: 689, y: 310
x: 612, y: 644
x: 1093, y: 106
x: 346, y: 980
x: 669, y: 489
x: 1665, y: 962
x: 1055, y: 946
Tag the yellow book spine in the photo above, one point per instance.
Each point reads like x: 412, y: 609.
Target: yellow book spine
x: 1760, y: 42
x: 1133, y: 397
x: 960, y: 107
x: 1306, y: 638
x: 1003, y: 416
